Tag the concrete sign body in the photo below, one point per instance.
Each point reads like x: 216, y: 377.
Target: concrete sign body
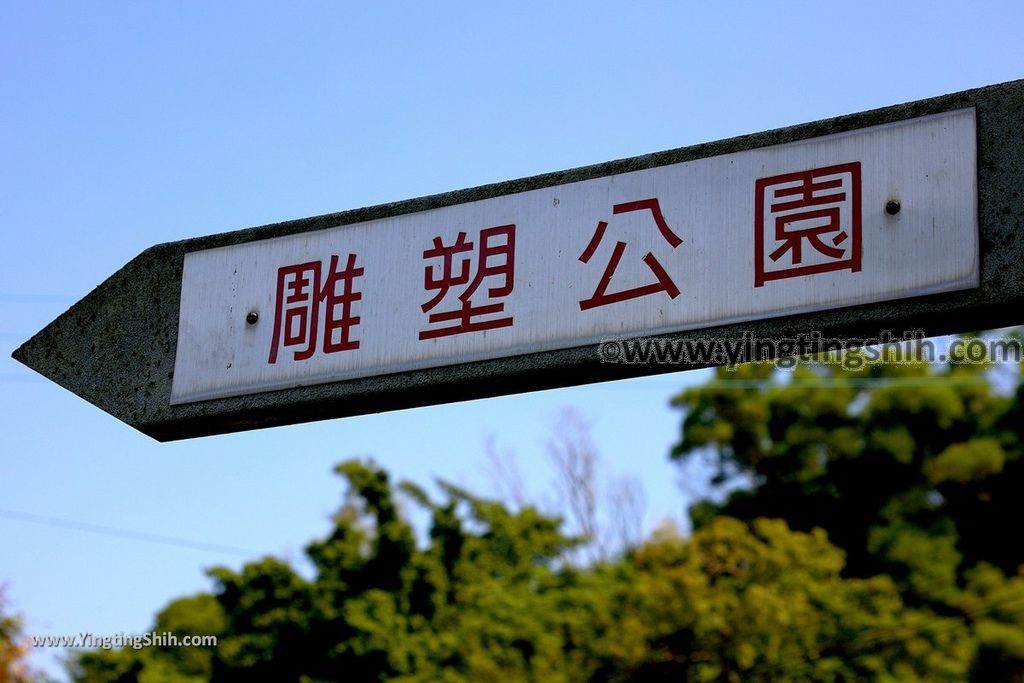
x: 907, y: 218
x: 751, y: 235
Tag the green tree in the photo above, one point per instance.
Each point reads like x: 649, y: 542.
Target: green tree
x: 198, y: 615
x: 914, y: 470
x: 759, y: 602
x: 492, y: 596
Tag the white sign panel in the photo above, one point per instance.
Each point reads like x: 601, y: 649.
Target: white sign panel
x: 756, y: 234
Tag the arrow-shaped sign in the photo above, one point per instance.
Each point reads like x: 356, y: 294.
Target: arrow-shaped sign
x: 902, y: 219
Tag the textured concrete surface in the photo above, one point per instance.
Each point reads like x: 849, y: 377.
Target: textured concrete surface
x: 115, y: 348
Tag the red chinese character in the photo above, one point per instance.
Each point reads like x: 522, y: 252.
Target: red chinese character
x: 807, y: 222
x: 495, y: 259
x: 300, y: 294
x: 663, y: 282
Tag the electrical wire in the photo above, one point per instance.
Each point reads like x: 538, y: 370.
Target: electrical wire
x: 126, y: 533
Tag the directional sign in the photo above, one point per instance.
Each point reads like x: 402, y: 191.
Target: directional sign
x: 742, y: 236
x: 899, y: 219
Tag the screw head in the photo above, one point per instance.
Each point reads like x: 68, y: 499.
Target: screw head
x: 252, y: 317
x: 892, y: 207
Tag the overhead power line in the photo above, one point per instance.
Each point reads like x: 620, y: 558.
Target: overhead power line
x: 75, y: 525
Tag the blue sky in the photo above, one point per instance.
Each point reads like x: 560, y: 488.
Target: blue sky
x: 123, y: 125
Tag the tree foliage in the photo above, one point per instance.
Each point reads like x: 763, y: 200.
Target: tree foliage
x: 914, y: 470
x: 860, y: 526
x: 490, y: 596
